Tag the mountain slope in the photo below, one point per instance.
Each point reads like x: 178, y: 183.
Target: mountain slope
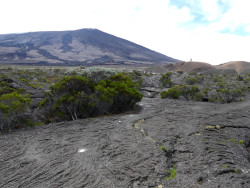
x: 80, y: 47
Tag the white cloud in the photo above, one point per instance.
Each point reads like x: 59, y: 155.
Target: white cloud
x: 237, y: 16
x: 154, y: 24
x: 210, y: 9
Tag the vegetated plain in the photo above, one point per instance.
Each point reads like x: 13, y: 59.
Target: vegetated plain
x: 189, y: 129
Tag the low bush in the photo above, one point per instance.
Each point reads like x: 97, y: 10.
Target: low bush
x: 217, y: 78
x: 239, y: 77
x: 119, y: 91
x: 12, y: 108
x: 188, y: 92
x: 5, y: 88
x: 194, y: 79
x: 136, y: 78
x: 166, y: 79
x: 97, y: 74
x: 229, y: 95
x: 173, y: 93
x: 76, y: 97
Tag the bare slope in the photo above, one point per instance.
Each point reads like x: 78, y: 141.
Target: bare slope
x: 239, y: 66
x: 80, y: 47
x: 192, y: 66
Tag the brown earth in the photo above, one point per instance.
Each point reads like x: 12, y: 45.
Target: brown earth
x: 188, y: 67
x: 239, y: 66
x: 192, y: 66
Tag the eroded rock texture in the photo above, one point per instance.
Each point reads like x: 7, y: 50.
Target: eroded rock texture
x: 208, y: 143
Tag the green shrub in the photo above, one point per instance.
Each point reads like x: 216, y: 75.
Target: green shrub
x: 163, y: 148
x: 137, y: 78
x: 173, y: 93
x: 247, y: 80
x: 166, y: 79
x: 221, y: 84
x: 70, y: 97
x: 217, y: 78
x: 190, y: 80
x: 76, y: 97
x: 24, y: 80
x: 5, y: 88
x: 241, y: 142
x: 164, y: 94
x: 229, y: 95
x: 232, y: 140
x: 198, y: 96
x: 12, y: 107
x: 119, y: 91
x: 205, y: 91
x: 171, y: 173
x: 189, y: 92
x: 239, y: 77
x: 193, y: 73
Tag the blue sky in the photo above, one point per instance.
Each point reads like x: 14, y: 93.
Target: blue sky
x: 213, y: 31
x: 206, y: 12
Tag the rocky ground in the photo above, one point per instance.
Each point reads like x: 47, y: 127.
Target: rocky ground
x: 207, y: 145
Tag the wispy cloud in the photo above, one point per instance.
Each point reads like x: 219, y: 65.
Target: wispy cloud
x: 214, y: 31
x: 227, y: 16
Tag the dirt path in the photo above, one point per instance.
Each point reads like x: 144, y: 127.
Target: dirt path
x: 122, y: 151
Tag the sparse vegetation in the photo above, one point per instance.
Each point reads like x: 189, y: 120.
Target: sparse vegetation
x: 163, y: 148
x: 225, y: 166
x: 241, y: 142
x: 166, y: 79
x: 68, y: 93
x: 171, y: 173
x: 188, y: 92
x: 136, y: 76
x: 211, y: 87
x: 232, y: 140
x: 106, y: 95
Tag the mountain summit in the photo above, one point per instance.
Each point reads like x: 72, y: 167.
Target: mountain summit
x: 79, y: 47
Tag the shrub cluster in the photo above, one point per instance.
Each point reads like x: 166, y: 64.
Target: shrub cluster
x: 93, y: 73
x: 173, y: 93
x: 194, y: 78
x: 136, y: 76
x: 227, y: 95
x: 166, y: 79
x: 77, y: 96
x: 188, y: 92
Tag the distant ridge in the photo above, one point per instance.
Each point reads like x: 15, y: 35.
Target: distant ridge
x: 192, y: 66
x: 239, y: 66
x: 79, y: 47
x: 234, y: 67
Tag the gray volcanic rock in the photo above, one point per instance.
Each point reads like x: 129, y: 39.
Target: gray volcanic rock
x: 208, y: 143
x: 202, y: 144
x: 80, y: 47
